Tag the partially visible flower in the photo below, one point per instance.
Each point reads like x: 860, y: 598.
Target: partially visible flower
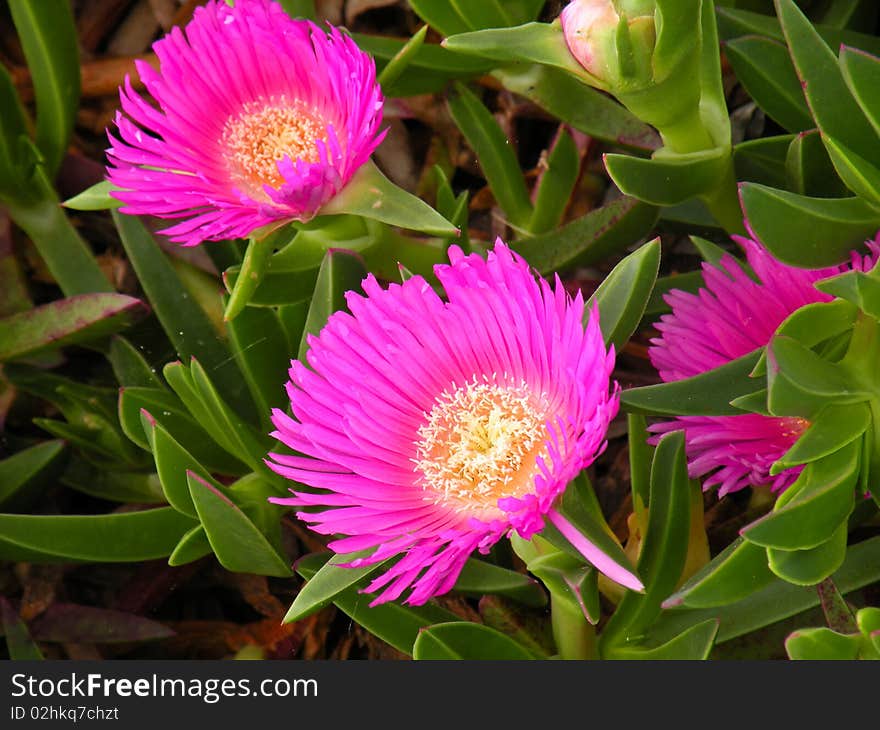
x: 262, y: 119
x: 612, y: 39
x: 431, y: 428
x: 732, y: 316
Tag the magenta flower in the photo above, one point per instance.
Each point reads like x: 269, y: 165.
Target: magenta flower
x: 262, y: 119
x: 732, y: 316
x: 433, y: 428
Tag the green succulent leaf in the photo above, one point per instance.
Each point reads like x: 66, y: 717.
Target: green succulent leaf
x: 467, y: 640
x: 835, y: 427
x: 804, y: 231
x: 822, y: 644
x: 126, y: 537
x: 192, y: 546
x: 396, y: 624
x: 621, y: 299
x: 861, y: 72
x: 24, y: 474
x: 237, y: 542
x: 706, y: 394
x: 49, y: 39
x: 693, y: 643
x: 808, y: 567
x: 480, y: 578
x: 809, y: 170
x: 96, y: 197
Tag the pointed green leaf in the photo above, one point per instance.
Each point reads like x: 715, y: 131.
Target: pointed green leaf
x: 706, y: 394
x: 184, y: 321
x: 494, y: 153
x: 192, y: 546
x: 764, y: 68
x: 694, y: 643
x: 397, y: 65
x: 822, y: 644
x: 114, y: 486
x: 763, y: 160
x: 861, y: 72
x: 130, y: 367
x: 372, y: 195
x: 83, y: 318
x: 815, y: 506
x: 623, y: 296
x: 856, y: 287
x: 479, y: 578
x: 668, y: 179
x: 467, y: 640
x: 394, y: 623
x: 859, y: 175
x: 126, y: 537
x: 328, y: 582
x: 49, y: 39
x: 584, y: 108
x: 568, y: 579
x: 808, y: 567
x: 96, y: 197
x: 590, y: 238
x: 835, y: 427
x: 556, y: 183
x: 13, y: 128
x: 25, y: 474
x: 808, y: 232
x: 836, y: 112
x: 237, y: 542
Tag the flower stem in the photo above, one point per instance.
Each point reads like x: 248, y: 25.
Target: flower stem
x: 723, y: 202
x: 253, y: 267
x: 575, y: 637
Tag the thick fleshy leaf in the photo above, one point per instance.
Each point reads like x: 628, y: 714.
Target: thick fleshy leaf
x: 166, y: 409
x: 776, y: 601
x: 625, y: 293
x: 800, y: 383
x: 764, y: 68
x: 394, y: 623
x: 859, y: 175
x: 467, y: 640
x: 184, y: 321
x: 706, y: 394
x: 836, y: 112
x: 587, y: 110
x: 25, y: 474
x: 329, y: 581
x: 535, y: 42
x: 340, y: 272
x: 126, y: 537
x: 48, y: 37
x: 96, y: 197
x: 398, y: 64
x: 814, y: 507
x: 480, y: 578
x: 590, y: 238
x: 694, y: 643
x: 861, y: 72
x: 808, y: 168
x: 738, y: 571
x: 556, y: 183
x: 19, y: 644
x: 260, y: 345
x: 130, y: 367
x: 192, y: 546
x: 808, y: 567
x: 763, y: 160
x: 372, y: 195
x: 822, y: 644
x: 238, y: 544
x: 835, y: 427
x: 857, y: 287
x: 115, y: 486
x: 663, y: 552
x: 808, y: 232
x: 494, y: 153
x: 69, y: 622
x: 569, y: 580
x: 71, y: 321
x: 668, y: 179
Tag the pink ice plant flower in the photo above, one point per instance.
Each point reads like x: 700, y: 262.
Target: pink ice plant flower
x: 732, y: 316
x: 261, y: 120
x: 430, y: 428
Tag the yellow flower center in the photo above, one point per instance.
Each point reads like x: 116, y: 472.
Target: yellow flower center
x: 481, y: 442
x: 261, y: 134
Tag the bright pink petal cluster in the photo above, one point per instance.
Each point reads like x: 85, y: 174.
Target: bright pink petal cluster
x: 431, y: 428
x: 261, y: 119
x: 733, y: 315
